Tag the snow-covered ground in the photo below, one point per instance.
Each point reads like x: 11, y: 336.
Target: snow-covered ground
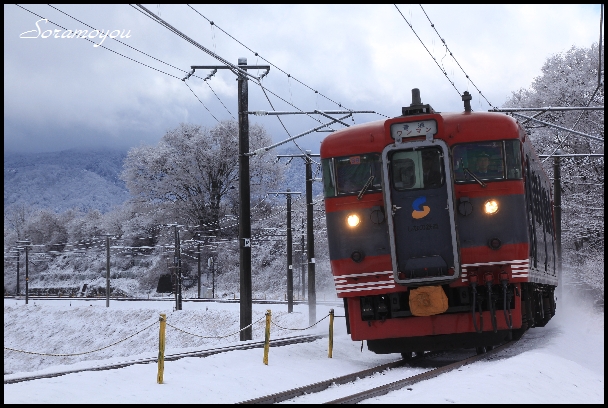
x: 560, y: 363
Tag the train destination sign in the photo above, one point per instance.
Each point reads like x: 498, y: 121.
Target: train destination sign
x: 413, y: 129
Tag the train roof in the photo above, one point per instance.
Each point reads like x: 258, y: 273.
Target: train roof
x: 371, y: 136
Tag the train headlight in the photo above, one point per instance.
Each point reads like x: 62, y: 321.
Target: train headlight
x: 491, y: 207
x: 353, y: 220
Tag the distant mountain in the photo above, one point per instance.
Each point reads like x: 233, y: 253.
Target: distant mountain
x: 89, y: 179
x: 82, y: 179
x: 295, y: 173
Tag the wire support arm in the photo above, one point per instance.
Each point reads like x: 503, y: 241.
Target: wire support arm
x: 265, y: 149
x: 330, y: 112
x: 548, y: 109
x: 559, y: 127
x: 329, y: 117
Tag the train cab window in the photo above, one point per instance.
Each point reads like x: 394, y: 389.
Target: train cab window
x: 484, y: 160
x: 416, y: 169
x: 353, y: 174
x: 513, y: 159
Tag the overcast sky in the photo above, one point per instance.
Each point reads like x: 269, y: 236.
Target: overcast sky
x: 62, y: 93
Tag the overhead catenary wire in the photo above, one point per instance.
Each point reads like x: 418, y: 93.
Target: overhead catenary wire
x: 452, y: 55
x: 150, y: 56
x: 289, y: 76
x: 121, y: 42
x: 102, y: 46
x: 135, y: 49
x: 270, y: 63
x: 201, y: 102
x: 218, y: 98
x: 427, y: 50
x: 234, y: 68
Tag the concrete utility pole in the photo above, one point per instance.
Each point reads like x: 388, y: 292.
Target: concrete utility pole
x: 312, y: 293
x: 302, y: 263
x: 107, y: 271
x: 211, y: 265
x: 26, y: 245
x: 289, y: 258
x: 246, y: 300
x: 17, y: 255
x: 177, y: 261
x: 288, y: 193
x: 199, y: 270
x: 310, y: 250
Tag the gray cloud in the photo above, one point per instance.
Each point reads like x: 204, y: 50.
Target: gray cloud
x: 61, y: 93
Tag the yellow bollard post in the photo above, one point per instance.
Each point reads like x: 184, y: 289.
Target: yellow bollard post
x: 161, y: 348
x: 331, y: 333
x: 267, y: 336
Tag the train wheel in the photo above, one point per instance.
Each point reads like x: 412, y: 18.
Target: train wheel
x: 480, y: 350
x: 488, y: 348
x: 407, y: 356
x: 418, y: 353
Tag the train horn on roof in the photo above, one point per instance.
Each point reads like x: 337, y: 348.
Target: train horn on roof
x: 416, y: 107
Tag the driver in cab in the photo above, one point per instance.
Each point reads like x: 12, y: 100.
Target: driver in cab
x: 482, y: 168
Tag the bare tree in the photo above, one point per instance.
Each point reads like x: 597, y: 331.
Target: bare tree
x: 15, y: 217
x: 193, y: 172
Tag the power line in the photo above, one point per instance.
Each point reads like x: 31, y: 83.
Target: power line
x: 125, y: 44
x: 278, y: 68
x: 102, y: 46
x: 163, y: 62
x: 201, y: 101
x: 452, y: 55
x: 218, y: 98
x: 235, y: 69
x: 258, y: 55
x: 427, y: 50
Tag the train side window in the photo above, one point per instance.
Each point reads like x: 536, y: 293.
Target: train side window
x: 329, y: 186
x: 513, y: 159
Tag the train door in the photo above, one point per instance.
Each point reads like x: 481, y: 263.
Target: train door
x: 419, y: 196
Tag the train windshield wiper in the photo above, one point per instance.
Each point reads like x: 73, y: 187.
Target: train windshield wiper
x: 365, y: 187
x: 481, y: 183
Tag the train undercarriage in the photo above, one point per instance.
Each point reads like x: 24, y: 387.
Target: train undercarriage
x: 493, y: 313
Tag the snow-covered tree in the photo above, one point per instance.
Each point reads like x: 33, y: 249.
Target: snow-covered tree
x: 85, y: 227
x: 571, y: 79
x: 15, y: 217
x: 45, y: 228
x: 193, y: 172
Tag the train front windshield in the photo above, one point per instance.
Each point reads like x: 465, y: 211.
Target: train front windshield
x: 499, y: 160
x: 352, y: 174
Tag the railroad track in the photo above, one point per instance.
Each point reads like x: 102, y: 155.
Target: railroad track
x: 176, y: 356
x: 377, y: 391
